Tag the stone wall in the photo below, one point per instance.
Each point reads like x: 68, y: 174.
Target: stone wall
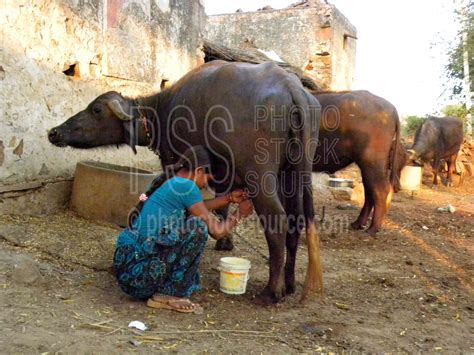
x: 317, y: 39
x: 58, y: 55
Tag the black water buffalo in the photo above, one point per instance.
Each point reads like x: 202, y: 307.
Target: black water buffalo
x: 228, y: 107
x: 436, y: 139
x: 359, y: 127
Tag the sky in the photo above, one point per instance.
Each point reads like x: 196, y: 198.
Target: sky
x: 401, y: 46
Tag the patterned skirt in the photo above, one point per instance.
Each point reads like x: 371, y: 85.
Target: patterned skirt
x: 167, y: 263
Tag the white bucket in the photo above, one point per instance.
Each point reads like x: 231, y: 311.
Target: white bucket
x: 234, y: 274
x: 410, y: 178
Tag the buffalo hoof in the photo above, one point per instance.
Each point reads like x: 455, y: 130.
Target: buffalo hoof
x: 290, y: 289
x: 225, y: 244
x: 372, y: 231
x: 356, y: 225
x: 269, y: 297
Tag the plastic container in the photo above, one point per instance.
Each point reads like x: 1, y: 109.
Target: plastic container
x: 410, y: 178
x: 234, y: 274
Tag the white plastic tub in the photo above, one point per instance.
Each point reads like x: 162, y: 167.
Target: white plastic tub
x: 410, y: 178
x: 234, y: 274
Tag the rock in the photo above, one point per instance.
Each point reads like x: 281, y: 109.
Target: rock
x: 135, y: 342
x: 13, y: 234
x: 468, y: 168
x: 448, y: 208
x: 342, y: 193
x: 313, y: 329
x: 25, y: 271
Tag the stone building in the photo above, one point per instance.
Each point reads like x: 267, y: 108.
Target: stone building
x: 55, y: 57
x: 312, y: 35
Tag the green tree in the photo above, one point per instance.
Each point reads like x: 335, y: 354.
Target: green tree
x: 456, y: 110
x: 455, y: 66
x: 460, y: 67
x: 412, y: 123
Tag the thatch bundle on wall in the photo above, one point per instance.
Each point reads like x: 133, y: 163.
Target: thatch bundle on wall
x: 215, y: 51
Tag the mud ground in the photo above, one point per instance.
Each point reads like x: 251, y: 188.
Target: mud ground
x: 410, y: 289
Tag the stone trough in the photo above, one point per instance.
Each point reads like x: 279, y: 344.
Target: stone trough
x: 107, y: 192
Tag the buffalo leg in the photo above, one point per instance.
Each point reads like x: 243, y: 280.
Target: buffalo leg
x: 295, y: 217
x: 435, y: 166
x: 382, y: 195
x: 273, y: 218
x: 451, y: 161
x: 361, y: 221
x: 292, y: 239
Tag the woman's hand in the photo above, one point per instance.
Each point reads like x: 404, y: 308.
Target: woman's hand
x: 245, y: 208
x: 237, y: 196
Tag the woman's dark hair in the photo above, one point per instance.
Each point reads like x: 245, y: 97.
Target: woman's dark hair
x: 193, y: 158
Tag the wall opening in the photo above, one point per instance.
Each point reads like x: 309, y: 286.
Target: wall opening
x: 72, y: 70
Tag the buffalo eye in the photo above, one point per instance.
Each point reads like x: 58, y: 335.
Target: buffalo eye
x: 97, y: 110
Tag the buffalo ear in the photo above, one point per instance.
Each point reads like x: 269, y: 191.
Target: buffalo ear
x: 117, y: 109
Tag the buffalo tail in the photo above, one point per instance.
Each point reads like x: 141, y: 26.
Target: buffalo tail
x: 309, y: 112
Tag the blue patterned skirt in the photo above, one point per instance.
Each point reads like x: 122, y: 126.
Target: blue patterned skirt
x: 167, y: 263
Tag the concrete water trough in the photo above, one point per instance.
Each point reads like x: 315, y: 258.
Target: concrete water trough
x: 107, y: 192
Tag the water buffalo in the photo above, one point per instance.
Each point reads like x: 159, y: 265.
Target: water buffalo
x: 359, y: 127
x: 436, y: 139
x: 228, y: 107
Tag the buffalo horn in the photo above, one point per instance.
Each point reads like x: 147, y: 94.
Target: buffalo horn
x: 117, y: 109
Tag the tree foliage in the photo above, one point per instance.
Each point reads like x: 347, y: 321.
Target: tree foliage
x: 455, y: 66
x: 456, y: 110
x: 459, y: 111
x: 412, y: 123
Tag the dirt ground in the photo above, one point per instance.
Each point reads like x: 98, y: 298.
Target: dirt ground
x: 410, y: 289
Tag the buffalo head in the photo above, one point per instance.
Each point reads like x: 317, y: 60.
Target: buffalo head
x: 414, y: 157
x: 108, y: 120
